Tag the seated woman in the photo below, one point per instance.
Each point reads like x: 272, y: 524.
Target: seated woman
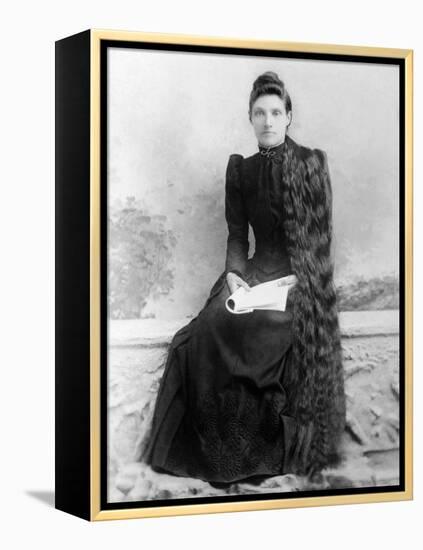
x: 261, y: 394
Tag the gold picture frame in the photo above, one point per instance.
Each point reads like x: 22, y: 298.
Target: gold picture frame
x: 80, y: 266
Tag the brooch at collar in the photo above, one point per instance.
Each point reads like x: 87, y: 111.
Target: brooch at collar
x: 268, y: 153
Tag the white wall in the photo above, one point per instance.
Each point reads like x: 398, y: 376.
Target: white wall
x: 27, y: 270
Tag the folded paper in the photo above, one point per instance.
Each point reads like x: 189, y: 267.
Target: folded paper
x: 270, y: 295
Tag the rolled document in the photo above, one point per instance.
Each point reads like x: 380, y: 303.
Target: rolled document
x: 270, y: 295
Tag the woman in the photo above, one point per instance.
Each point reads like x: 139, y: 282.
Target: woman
x: 261, y: 394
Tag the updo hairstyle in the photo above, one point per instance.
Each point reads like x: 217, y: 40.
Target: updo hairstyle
x: 266, y: 84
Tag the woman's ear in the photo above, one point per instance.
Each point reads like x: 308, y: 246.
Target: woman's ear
x: 289, y: 116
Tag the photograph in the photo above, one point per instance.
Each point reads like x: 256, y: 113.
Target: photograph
x: 252, y: 274
x: 220, y: 208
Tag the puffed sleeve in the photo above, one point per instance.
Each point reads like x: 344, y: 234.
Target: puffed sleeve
x: 236, y: 218
x: 323, y: 160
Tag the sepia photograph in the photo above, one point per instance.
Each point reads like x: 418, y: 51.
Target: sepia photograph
x: 253, y: 274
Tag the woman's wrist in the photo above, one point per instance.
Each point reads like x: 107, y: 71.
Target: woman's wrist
x: 236, y: 272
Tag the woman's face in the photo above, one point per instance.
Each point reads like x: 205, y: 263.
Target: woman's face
x: 270, y: 120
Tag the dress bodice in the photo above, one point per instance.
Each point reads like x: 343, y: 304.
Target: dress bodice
x: 263, y: 195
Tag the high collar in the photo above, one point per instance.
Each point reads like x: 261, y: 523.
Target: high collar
x: 272, y: 152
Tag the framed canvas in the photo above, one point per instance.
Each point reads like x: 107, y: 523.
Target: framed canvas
x: 233, y: 274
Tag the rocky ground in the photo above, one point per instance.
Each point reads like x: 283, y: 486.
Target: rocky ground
x: 370, y: 442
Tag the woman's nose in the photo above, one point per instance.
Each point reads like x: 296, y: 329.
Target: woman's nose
x: 268, y: 120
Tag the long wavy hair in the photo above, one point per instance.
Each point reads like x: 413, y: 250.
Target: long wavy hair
x: 316, y: 386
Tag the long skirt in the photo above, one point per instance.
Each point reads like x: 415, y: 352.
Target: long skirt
x: 223, y: 409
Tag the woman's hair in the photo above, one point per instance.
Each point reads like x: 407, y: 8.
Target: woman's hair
x: 269, y: 83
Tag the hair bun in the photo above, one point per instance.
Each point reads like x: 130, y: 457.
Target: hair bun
x: 269, y: 77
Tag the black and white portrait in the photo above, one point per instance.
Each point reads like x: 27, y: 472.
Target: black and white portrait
x: 252, y: 274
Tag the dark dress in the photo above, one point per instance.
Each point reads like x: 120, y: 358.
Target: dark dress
x: 222, y: 412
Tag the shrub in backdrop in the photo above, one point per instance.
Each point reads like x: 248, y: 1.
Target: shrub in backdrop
x: 140, y: 250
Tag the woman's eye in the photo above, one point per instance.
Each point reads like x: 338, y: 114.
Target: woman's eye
x: 261, y: 113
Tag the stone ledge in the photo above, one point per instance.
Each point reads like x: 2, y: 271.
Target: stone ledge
x: 155, y: 333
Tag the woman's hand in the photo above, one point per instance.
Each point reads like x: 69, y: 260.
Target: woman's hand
x: 289, y: 280
x: 234, y: 282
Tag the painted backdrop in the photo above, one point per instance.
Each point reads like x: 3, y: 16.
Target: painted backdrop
x: 174, y: 119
